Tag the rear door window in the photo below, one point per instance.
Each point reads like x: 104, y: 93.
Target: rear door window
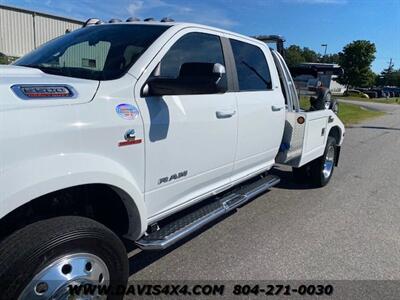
x: 252, y: 68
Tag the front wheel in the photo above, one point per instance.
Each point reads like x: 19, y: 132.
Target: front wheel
x: 43, y: 259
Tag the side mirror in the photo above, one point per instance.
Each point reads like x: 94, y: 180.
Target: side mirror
x: 194, y: 78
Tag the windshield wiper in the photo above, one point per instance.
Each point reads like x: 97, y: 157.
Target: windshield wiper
x: 38, y: 67
x: 30, y: 66
x: 50, y: 70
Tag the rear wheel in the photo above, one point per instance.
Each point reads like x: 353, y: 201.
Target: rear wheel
x: 319, y: 171
x: 41, y: 260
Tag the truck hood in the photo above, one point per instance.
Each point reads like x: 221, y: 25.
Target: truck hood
x: 84, y: 90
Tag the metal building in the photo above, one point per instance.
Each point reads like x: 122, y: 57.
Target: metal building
x: 22, y: 30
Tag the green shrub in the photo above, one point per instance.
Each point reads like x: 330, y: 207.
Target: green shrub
x: 3, y: 59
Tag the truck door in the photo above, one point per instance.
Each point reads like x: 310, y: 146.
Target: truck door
x: 190, y: 140
x: 261, y: 108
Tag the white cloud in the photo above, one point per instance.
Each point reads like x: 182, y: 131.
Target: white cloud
x: 212, y: 18
x: 196, y: 13
x: 135, y: 7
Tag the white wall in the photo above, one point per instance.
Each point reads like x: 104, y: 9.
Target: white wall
x: 16, y: 32
x: 21, y: 31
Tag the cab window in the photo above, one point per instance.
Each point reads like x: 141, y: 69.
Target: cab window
x: 192, y: 48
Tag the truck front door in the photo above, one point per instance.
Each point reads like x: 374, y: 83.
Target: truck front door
x: 190, y: 148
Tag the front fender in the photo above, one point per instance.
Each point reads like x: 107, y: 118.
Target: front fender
x: 29, y: 179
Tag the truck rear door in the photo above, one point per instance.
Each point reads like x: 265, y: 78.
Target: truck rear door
x: 260, y: 107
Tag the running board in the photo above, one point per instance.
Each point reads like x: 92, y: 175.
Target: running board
x: 185, y: 225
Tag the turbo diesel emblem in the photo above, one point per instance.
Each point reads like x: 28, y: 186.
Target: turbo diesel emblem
x: 172, y: 177
x: 28, y: 92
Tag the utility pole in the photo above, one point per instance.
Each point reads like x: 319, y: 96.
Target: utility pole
x: 391, y: 65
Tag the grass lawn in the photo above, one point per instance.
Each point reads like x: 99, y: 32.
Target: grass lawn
x: 348, y: 113
x: 377, y: 100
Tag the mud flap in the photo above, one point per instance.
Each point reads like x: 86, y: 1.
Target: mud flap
x: 337, y: 156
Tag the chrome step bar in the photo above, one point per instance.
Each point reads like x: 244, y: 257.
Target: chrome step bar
x: 193, y: 221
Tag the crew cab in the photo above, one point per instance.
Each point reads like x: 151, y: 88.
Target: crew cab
x: 142, y: 132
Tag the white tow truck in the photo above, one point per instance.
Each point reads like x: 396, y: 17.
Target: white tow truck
x: 140, y: 131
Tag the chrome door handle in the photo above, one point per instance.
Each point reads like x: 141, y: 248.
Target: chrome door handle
x: 276, y: 108
x: 224, y: 114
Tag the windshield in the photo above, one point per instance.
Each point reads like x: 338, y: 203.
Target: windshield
x: 102, y: 52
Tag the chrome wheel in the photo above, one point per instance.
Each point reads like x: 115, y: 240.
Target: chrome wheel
x: 329, y: 162
x: 76, y: 269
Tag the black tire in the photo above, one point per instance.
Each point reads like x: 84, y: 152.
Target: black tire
x: 29, y: 250
x: 301, y: 175
x: 318, y: 177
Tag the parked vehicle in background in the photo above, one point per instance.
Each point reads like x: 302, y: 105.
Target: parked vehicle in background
x: 355, y: 93
x: 380, y: 92
x: 388, y: 93
x: 370, y: 93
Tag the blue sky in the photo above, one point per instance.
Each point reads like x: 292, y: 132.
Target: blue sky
x: 307, y: 23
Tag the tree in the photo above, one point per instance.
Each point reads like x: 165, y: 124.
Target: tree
x: 295, y: 55
x: 391, y: 79
x: 356, y: 59
x: 395, y: 78
x: 389, y: 76
x: 310, y: 55
x: 331, y: 59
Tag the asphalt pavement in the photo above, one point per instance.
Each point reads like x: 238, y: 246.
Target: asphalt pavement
x: 349, y: 229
